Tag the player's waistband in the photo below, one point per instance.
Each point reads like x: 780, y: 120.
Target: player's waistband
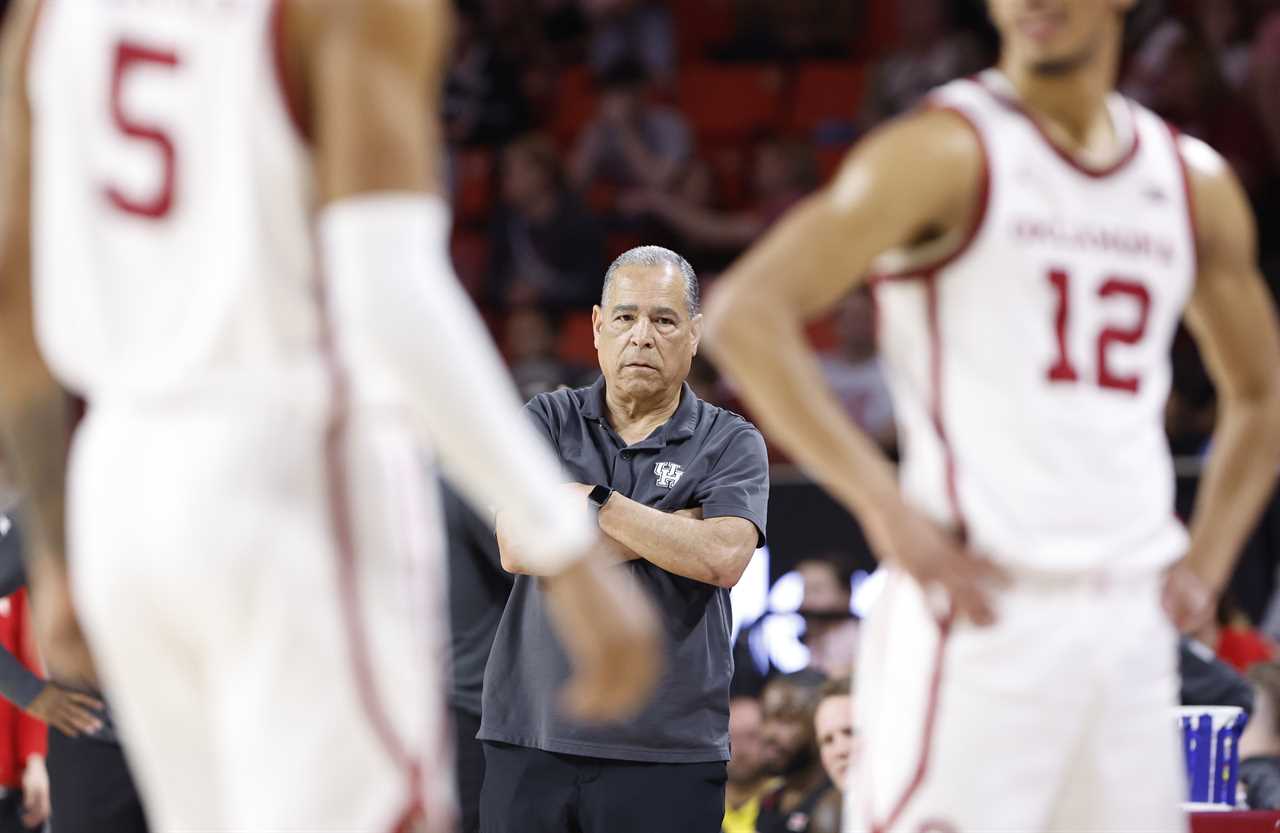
x: 1102, y: 580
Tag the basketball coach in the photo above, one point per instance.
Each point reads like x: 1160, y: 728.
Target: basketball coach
x: 680, y: 488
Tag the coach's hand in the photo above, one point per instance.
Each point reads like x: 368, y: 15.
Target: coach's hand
x: 937, y: 558
x: 1189, y: 600
x: 70, y: 712
x: 611, y: 633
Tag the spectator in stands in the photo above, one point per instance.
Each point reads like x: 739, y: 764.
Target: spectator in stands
x: 547, y: 248
x: 530, y: 346
x: 746, y: 778
x: 930, y: 53
x: 854, y: 372
x: 783, y: 172
x: 631, y: 141
x: 833, y: 725
x: 24, y: 803
x: 1260, y: 744
x: 1236, y: 641
x: 1207, y: 680
x: 805, y: 801
x: 631, y: 31
x: 483, y: 102
x: 830, y: 631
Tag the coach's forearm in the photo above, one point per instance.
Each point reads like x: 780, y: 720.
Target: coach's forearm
x: 714, y: 550
x: 1240, y: 475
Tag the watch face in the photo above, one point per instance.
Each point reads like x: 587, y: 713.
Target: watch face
x: 599, y: 495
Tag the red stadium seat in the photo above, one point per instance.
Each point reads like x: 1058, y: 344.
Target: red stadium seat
x: 576, y: 345
x: 702, y: 25
x: 728, y: 103
x: 475, y: 182
x: 470, y: 250
x: 826, y: 92
x: 575, y: 104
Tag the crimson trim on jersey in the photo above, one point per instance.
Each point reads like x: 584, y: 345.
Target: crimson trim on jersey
x: 1174, y: 135
x: 289, y: 93
x: 979, y: 215
x: 1014, y: 105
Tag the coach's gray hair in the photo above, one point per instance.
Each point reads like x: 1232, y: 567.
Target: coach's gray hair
x: 656, y: 256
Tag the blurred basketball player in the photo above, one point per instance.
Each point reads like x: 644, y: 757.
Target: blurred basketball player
x: 229, y: 215
x: 1033, y: 240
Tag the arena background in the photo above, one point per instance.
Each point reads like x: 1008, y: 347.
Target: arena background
x: 743, y: 106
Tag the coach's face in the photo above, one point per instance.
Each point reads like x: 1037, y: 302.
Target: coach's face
x: 645, y: 336
x: 1052, y: 37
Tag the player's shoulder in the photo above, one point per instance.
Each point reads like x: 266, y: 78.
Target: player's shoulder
x: 386, y: 20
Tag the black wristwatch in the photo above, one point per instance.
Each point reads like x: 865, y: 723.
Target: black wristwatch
x: 599, y: 496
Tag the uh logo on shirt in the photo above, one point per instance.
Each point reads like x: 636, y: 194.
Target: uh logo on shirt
x: 668, y: 474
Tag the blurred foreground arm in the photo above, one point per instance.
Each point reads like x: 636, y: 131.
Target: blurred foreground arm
x: 371, y: 76
x: 917, y: 176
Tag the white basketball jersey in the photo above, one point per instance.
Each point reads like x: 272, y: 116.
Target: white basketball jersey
x: 1030, y: 370
x: 172, y: 197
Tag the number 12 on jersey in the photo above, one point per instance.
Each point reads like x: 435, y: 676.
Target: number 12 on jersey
x: 1063, y: 370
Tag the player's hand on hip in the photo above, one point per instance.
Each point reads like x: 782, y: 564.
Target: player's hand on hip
x: 58, y: 633
x: 1188, y: 599
x: 938, y: 559
x: 610, y: 631
x: 70, y: 712
x: 35, y: 792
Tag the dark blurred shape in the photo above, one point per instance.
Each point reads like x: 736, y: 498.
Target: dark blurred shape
x: 547, y: 247
x: 530, y: 346
x: 1260, y: 743
x: 631, y: 31
x: 483, y: 101
x: 854, y: 372
x: 478, y: 590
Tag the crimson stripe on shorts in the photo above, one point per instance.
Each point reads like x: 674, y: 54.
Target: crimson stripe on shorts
x: 921, y: 770
x: 343, y: 532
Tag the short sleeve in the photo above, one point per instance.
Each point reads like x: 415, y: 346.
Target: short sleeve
x: 738, y: 484
x: 538, y: 410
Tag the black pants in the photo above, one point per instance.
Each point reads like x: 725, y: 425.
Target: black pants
x: 11, y: 814
x: 468, y: 756
x: 91, y: 788
x: 531, y: 791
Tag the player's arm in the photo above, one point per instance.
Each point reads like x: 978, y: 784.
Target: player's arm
x: 1233, y: 319
x: 34, y: 416
x: 371, y: 76
x: 916, y: 176
x: 33, y: 407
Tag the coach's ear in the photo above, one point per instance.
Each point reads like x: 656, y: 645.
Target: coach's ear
x: 597, y: 320
x: 695, y: 327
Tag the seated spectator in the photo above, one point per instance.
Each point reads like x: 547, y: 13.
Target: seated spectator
x: 833, y: 725
x: 747, y: 780
x: 1260, y: 743
x: 631, y: 142
x: 631, y: 31
x: 805, y: 801
x: 1207, y: 680
x: 784, y: 171
x: 830, y: 631
x: 547, y: 247
x: 529, y: 343
x: 854, y: 372
x: 483, y: 102
x: 931, y: 53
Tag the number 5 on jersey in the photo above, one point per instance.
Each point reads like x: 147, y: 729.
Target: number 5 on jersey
x: 156, y: 205
x: 1063, y: 370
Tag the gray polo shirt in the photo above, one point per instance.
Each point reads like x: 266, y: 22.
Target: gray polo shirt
x: 703, y: 456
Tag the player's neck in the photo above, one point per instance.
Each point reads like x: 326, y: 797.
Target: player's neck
x: 1072, y: 105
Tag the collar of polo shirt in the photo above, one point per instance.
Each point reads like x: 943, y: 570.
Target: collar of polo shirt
x: 679, y: 427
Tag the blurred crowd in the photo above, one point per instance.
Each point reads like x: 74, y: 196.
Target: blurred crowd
x: 579, y: 128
